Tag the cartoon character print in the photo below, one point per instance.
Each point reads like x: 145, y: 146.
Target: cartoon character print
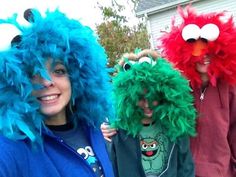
x: 154, y: 153
x: 88, y: 155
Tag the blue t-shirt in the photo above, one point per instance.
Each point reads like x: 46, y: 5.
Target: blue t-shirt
x: 76, y: 138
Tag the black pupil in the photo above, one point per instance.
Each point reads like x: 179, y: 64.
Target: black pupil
x: 127, y: 66
x: 191, y: 40
x: 16, y: 40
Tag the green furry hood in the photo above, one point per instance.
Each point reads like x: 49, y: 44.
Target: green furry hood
x: 175, y: 110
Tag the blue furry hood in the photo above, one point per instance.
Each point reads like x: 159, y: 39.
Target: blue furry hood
x: 57, y: 37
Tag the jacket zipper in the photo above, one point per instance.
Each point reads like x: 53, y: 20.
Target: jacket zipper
x: 202, y: 94
x: 168, y: 163
x: 61, y: 141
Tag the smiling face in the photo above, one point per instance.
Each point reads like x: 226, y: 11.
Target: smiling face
x: 143, y: 104
x: 202, y: 67
x: 195, y: 37
x: 55, y: 94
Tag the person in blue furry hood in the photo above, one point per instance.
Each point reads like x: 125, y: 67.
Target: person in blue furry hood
x: 54, y: 94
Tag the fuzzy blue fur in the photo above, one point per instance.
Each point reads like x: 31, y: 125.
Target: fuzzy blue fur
x: 57, y: 37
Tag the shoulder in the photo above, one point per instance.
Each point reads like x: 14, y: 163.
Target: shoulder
x: 122, y: 137
x: 183, y: 144
x: 12, y: 158
x: 225, y: 86
x: 12, y: 148
x: 8, y: 144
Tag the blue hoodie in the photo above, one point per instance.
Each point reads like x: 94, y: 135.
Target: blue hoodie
x: 27, y: 148
x: 56, y: 159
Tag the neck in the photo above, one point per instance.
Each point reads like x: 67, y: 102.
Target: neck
x: 58, y: 119
x: 205, y: 79
x: 147, y: 121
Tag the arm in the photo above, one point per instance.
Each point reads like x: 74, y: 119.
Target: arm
x: 8, y: 165
x: 6, y: 168
x: 112, y: 154
x: 232, y: 129
x: 185, y: 161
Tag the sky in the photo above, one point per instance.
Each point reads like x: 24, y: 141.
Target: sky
x: 86, y: 11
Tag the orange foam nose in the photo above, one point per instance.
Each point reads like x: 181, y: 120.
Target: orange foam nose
x: 198, y: 47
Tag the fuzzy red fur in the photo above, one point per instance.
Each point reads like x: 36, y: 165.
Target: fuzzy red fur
x: 222, y: 50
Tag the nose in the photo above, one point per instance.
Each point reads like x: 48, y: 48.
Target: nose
x: 47, y: 83
x: 145, y: 103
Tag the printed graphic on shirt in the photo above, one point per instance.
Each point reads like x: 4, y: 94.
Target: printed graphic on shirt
x: 77, y: 139
x: 88, y: 155
x: 155, y: 150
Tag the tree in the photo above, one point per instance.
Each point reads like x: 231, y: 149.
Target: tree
x: 116, y: 36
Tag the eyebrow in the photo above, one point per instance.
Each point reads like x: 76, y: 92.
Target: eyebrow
x: 57, y: 62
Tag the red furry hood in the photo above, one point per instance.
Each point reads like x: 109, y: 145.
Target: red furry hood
x: 222, y: 50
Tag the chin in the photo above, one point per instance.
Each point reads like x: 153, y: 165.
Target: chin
x: 148, y: 116
x: 51, y: 112
x: 202, y: 69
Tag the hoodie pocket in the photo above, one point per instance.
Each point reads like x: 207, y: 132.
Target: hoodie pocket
x: 207, y: 170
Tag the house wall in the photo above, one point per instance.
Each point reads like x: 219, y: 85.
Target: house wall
x: 160, y: 22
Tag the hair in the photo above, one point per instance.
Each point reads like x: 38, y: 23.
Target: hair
x: 175, y: 110
x: 222, y: 50
x: 58, y: 37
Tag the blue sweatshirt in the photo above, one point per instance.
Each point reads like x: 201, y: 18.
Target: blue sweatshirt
x: 18, y: 159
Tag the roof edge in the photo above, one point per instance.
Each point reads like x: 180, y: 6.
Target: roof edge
x: 164, y: 7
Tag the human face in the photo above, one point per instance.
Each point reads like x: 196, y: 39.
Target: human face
x: 143, y: 104
x: 55, y: 94
x: 202, y: 67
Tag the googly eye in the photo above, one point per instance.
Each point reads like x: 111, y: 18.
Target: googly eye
x: 7, y: 33
x: 145, y: 59
x: 191, y: 32
x: 210, y: 32
x: 28, y: 15
x: 128, y: 65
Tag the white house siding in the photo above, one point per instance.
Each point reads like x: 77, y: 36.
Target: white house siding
x: 160, y: 22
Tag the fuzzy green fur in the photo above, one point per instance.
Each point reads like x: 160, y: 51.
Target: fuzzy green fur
x: 175, y: 110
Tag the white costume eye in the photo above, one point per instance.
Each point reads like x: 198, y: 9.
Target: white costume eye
x: 128, y: 65
x: 7, y: 33
x: 144, y: 146
x: 154, y: 145
x: 145, y: 59
x: 210, y: 32
x: 191, y: 32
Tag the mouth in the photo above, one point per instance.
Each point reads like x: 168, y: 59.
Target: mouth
x: 149, y: 153
x: 205, y: 61
x: 48, y: 98
x: 148, y: 112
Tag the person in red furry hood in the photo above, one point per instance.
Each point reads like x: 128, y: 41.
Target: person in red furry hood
x: 203, y: 47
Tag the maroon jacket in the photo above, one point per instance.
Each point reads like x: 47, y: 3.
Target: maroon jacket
x: 214, y: 148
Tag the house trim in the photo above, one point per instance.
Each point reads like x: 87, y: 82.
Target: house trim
x: 164, y: 7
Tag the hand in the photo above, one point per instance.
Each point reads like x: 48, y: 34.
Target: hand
x: 107, y: 131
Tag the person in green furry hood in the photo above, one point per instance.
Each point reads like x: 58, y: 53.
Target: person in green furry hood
x: 156, y: 116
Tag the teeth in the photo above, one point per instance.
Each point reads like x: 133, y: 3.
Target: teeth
x: 47, y: 98
x: 206, y: 62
